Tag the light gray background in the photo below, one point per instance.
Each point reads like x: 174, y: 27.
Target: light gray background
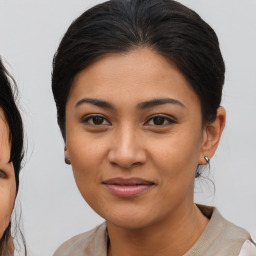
x: 53, y: 209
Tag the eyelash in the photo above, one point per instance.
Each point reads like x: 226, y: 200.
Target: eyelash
x: 164, y: 118
x: 90, y: 117
x: 2, y: 174
x: 103, y: 119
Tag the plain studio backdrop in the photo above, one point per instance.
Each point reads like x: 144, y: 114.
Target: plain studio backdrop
x: 53, y: 209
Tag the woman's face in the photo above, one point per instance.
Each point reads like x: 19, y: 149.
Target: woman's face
x: 134, y: 137
x: 7, y: 177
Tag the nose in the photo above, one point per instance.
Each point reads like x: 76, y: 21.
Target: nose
x: 126, y: 150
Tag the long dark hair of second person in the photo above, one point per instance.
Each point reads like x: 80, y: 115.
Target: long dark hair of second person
x: 8, y: 99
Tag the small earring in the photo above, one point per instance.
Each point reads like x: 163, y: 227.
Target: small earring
x: 67, y: 161
x: 207, y: 159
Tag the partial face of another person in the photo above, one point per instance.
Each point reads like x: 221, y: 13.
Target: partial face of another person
x: 134, y: 136
x: 7, y: 176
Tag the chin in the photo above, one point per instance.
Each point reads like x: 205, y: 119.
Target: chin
x: 129, y: 222
x: 130, y: 213
x: 129, y: 217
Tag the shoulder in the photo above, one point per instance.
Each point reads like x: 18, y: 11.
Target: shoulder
x: 220, y: 237
x: 248, y: 248
x: 230, y: 236
x: 222, y: 227
x: 84, y: 243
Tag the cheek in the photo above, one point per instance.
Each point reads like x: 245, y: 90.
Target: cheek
x: 176, y: 157
x: 87, y: 156
x: 175, y: 160
x: 85, y: 150
x: 7, y: 199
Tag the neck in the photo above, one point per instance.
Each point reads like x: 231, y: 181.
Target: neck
x: 172, y: 236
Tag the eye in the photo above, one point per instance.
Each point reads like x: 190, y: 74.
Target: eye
x: 2, y: 174
x: 160, y: 120
x: 96, y: 120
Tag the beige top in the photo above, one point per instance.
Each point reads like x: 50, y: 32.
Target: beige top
x: 248, y: 249
x: 220, y: 238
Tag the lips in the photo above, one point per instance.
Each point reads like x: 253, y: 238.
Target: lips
x: 128, y: 187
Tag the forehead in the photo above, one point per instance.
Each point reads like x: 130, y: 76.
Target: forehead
x: 5, y: 146
x: 139, y: 73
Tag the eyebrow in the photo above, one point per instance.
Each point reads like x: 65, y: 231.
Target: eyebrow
x: 96, y: 102
x: 142, y: 105
x: 157, y: 102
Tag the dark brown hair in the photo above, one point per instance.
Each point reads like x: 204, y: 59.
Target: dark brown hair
x: 8, y: 102
x: 171, y: 29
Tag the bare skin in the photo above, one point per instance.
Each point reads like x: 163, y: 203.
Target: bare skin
x: 162, y: 241
x: 135, y: 116
x: 7, y: 177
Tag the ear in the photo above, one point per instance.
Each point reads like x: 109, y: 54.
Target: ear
x: 66, y: 154
x: 211, y: 135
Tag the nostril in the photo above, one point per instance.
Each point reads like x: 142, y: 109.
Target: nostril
x: 126, y: 161
x: 137, y: 163
x: 126, y: 151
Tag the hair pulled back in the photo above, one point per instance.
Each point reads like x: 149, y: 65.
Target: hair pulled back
x: 166, y: 26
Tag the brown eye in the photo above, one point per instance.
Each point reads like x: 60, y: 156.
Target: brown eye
x: 2, y: 174
x: 96, y: 120
x: 160, y: 121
